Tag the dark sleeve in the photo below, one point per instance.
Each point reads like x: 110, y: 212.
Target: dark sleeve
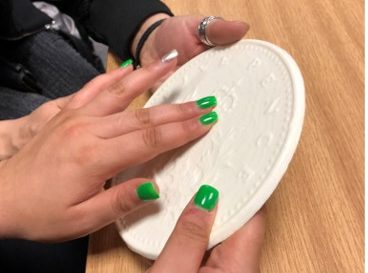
x: 114, y: 22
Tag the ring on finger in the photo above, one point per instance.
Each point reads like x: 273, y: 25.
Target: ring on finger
x: 202, y: 30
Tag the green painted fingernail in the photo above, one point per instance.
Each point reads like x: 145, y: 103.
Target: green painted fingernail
x: 206, y: 197
x: 207, y: 102
x: 147, y: 191
x: 126, y: 63
x: 208, y: 118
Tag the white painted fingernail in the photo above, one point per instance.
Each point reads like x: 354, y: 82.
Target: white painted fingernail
x: 173, y: 54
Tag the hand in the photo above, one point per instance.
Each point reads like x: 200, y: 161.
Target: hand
x: 14, y: 134
x: 52, y: 189
x: 185, y: 250
x: 181, y: 33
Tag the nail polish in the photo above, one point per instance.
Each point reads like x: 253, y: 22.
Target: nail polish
x: 206, y: 197
x: 208, y: 118
x: 126, y: 63
x: 207, y: 102
x: 170, y: 56
x: 147, y: 191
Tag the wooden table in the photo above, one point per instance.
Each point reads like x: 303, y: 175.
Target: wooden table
x: 315, y: 217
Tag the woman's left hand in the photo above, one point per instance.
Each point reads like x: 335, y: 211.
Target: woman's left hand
x: 181, y: 33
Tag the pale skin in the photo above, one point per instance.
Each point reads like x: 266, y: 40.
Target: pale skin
x: 56, y: 160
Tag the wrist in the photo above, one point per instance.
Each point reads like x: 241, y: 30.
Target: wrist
x: 146, y: 24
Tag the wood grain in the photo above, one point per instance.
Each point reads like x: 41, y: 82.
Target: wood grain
x: 315, y: 218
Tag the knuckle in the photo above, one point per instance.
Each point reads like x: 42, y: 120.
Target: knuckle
x: 47, y: 107
x: 152, y: 137
x: 186, y: 109
x: 195, y: 229
x: 85, y: 154
x: 68, y: 117
x: 73, y: 127
x: 123, y: 87
x: 83, y: 149
x: 122, y: 203
x: 121, y: 121
x: 190, y: 128
x: 97, y: 80
x: 143, y: 116
x: 117, y: 88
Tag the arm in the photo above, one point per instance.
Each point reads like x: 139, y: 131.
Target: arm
x: 120, y: 24
x: 53, y: 188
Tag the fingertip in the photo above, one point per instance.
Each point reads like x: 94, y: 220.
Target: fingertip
x: 167, y: 62
x: 209, y: 119
x: 206, y: 198
x: 148, y: 191
x: 202, y: 208
x: 126, y: 63
x: 188, y: 242
x: 125, y: 70
x: 172, y: 55
x: 242, y: 25
x: 223, y: 32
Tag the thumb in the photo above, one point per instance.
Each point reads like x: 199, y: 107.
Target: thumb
x: 222, y: 32
x: 184, y: 250
x: 116, y: 202
x: 241, y: 251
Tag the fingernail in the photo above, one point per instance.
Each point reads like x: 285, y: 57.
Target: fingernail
x: 208, y: 118
x: 126, y: 63
x: 207, y: 102
x: 147, y: 191
x: 173, y: 54
x: 206, y: 197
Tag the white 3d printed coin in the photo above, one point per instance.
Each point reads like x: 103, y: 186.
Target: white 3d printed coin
x: 260, y: 94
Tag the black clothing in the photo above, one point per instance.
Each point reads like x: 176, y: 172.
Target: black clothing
x: 21, y: 256
x: 63, y: 72
x: 112, y: 22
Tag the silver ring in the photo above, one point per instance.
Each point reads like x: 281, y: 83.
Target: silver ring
x: 202, y: 30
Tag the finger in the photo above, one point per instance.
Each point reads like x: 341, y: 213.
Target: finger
x: 143, y: 145
x: 96, y: 86
x: 221, y: 32
x: 241, y: 252
x: 115, y: 202
x: 157, y: 84
x: 187, y: 244
x: 129, y: 121
x: 118, y: 96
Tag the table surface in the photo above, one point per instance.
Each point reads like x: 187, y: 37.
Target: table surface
x: 315, y: 218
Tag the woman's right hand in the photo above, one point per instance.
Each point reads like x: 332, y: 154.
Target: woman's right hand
x: 53, y: 188
x: 185, y: 250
